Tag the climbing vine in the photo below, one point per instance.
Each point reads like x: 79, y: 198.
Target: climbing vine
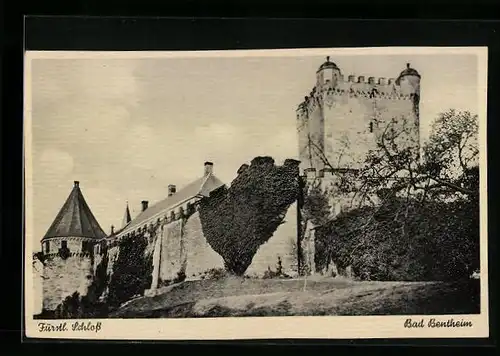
x: 238, y: 220
x: 132, y: 271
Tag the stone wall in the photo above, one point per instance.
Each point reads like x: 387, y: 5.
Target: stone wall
x: 280, y: 245
x: 171, y: 252
x: 354, y: 113
x: 180, y: 250
x: 200, y: 257
x: 62, y: 278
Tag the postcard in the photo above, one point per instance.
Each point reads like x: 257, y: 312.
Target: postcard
x: 333, y: 193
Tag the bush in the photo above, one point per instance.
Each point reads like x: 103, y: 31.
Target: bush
x: 278, y: 273
x: 77, y: 307
x: 215, y: 273
x: 425, y: 245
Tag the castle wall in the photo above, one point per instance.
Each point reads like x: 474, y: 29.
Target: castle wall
x: 280, y: 245
x: 64, y: 277
x: 199, y: 254
x: 347, y: 123
x: 74, y: 244
x: 171, y: 261
x: 347, y: 117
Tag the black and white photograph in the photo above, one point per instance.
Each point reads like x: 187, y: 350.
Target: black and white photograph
x: 240, y: 190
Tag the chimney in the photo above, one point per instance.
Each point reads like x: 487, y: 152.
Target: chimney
x: 77, y: 183
x: 144, y: 204
x: 209, y: 168
x: 171, y: 190
x: 112, y: 229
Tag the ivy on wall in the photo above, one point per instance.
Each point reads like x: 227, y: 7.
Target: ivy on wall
x: 132, y: 270
x: 236, y: 221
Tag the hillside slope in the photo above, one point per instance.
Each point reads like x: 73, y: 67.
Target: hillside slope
x: 275, y: 297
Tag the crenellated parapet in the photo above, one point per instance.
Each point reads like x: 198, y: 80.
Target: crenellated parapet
x: 356, y: 86
x: 342, y: 117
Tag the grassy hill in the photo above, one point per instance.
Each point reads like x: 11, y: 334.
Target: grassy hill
x: 279, y: 297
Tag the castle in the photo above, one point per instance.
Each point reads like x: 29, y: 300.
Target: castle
x: 342, y: 119
x: 337, y: 124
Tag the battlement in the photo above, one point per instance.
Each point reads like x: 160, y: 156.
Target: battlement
x: 360, y: 86
x: 373, y: 88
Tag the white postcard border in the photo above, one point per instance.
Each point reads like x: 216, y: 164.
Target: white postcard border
x: 329, y: 327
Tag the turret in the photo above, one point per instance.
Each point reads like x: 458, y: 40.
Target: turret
x: 409, y: 80
x: 328, y: 72
x: 126, y: 218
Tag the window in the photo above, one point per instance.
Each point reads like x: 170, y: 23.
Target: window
x: 64, y: 244
x: 84, y: 246
x: 371, y: 126
x: 47, y: 247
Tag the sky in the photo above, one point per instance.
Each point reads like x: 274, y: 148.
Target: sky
x: 127, y: 128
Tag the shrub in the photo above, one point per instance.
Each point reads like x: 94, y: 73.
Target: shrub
x: 425, y: 245
x: 215, y: 273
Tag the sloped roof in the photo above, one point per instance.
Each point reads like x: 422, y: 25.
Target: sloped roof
x: 75, y: 219
x: 199, y: 188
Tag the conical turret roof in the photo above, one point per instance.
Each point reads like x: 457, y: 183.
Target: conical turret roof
x: 75, y: 219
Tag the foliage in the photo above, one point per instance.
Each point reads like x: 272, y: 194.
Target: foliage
x: 238, y: 220
x: 214, y: 273
x: 179, y: 277
x: 371, y: 240
x: 278, y: 273
x: 132, y: 270
x: 416, y: 212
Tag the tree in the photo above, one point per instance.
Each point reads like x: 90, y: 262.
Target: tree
x: 397, y: 191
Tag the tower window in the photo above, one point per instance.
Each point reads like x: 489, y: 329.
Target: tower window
x: 371, y: 126
x: 47, y: 247
x: 64, y: 244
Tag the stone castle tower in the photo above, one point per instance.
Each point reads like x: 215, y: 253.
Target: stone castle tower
x: 69, y: 248
x: 343, y: 118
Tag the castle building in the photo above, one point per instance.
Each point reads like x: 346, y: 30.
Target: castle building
x: 68, y: 248
x: 338, y: 123
x: 343, y: 118
x: 174, y: 232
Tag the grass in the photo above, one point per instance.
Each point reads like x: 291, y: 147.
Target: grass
x: 276, y: 297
